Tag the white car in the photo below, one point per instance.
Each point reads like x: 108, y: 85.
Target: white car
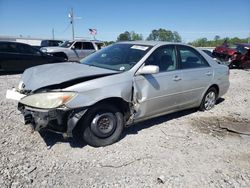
x: 74, y: 50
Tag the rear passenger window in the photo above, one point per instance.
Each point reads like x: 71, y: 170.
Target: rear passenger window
x: 87, y: 46
x: 191, y: 58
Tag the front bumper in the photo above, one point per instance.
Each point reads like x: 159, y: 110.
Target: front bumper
x: 60, y: 120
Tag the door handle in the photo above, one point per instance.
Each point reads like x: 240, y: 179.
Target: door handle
x: 176, y: 78
x: 208, y: 73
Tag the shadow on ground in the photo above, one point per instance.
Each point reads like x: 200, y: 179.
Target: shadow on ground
x: 134, y: 129
x: 2, y: 73
x: 51, y: 138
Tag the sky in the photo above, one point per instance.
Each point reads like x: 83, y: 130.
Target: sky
x: 192, y: 19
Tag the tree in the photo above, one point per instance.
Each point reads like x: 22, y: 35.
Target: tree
x: 164, y: 35
x: 129, y: 36
x: 201, y: 42
x: 177, y: 37
x: 124, y: 36
x: 217, y: 37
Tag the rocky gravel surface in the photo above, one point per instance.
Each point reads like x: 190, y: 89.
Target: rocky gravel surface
x: 185, y: 149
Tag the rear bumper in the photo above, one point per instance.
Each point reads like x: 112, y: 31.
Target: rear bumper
x: 60, y: 120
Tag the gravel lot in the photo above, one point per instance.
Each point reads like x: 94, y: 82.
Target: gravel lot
x: 186, y: 149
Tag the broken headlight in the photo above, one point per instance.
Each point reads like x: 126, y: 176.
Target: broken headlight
x: 48, y: 100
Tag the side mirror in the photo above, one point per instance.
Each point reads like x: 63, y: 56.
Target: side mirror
x: 148, y: 69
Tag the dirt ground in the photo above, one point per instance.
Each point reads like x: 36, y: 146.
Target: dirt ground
x: 185, y: 149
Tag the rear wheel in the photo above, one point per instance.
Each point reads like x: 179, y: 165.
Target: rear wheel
x: 209, y: 99
x: 102, y: 125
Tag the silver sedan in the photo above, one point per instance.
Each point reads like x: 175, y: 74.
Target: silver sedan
x: 117, y: 86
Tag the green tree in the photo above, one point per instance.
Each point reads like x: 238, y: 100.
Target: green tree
x: 129, y: 36
x: 164, y: 35
x: 124, y: 36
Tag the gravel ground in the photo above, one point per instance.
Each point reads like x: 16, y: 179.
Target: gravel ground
x: 186, y: 149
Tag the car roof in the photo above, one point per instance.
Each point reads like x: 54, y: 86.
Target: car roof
x: 14, y: 42
x: 244, y: 44
x: 150, y: 43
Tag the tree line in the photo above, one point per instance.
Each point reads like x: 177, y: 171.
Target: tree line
x: 204, y: 42
x: 173, y: 36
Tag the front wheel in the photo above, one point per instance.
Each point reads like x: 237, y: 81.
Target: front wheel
x: 102, y: 125
x: 209, y: 99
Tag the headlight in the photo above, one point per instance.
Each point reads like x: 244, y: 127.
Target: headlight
x: 48, y: 100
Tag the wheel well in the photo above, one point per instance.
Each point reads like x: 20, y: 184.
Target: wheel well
x: 216, y: 87
x: 118, y: 103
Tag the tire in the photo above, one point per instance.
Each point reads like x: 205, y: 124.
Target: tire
x: 209, y: 99
x: 102, y: 125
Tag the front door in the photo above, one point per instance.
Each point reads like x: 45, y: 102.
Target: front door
x: 159, y: 93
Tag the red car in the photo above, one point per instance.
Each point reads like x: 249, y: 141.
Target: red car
x: 225, y: 51
x: 241, y: 59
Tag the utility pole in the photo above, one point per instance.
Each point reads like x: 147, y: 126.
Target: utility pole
x: 53, y: 33
x: 71, y: 17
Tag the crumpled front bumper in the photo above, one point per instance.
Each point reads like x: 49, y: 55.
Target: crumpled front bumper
x: 60, y: 120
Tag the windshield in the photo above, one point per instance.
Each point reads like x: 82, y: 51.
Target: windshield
x: 119, y: 57
x: 66, y: 44
x: 241, y: 49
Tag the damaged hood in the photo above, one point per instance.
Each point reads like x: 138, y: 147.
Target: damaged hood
x: 60, y: 73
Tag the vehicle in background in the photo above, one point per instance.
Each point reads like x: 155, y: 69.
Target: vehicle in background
x: 208, y: 52
x: 47, y: 43
x: 226, y: 51
x: 74, y: 50
x: 15, y: 56
x: 241, y: 59
x: 120, y: 85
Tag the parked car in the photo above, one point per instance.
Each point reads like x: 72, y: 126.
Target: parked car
x: 241, y: 59
x: 208, y: 52
x: 16, y: 56
x: 47, y: 43
x: 227, y: 51
x: 74, y: 50
x: 120, y: 85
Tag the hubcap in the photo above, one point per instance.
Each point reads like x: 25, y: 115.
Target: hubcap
x: 210, y: 100
x: 103, y: 125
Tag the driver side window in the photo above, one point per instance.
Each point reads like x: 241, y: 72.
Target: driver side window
x: 164, y: 57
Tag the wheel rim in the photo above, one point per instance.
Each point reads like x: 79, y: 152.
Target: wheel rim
x: 103, y: 125
x: 210, y: 100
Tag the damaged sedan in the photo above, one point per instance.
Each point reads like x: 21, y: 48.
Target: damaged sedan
x: 118, y: 86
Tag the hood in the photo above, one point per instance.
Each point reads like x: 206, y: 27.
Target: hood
x: 61, y: 75
x: 52, y: 49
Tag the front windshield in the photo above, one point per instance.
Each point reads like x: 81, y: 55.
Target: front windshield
x: 241, y: 49
x: 119, y: 57
x: 66, y: 44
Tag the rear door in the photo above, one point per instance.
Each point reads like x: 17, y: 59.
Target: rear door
x: 159, y: 93
x: 196, y: 75
x: 87, y: 48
